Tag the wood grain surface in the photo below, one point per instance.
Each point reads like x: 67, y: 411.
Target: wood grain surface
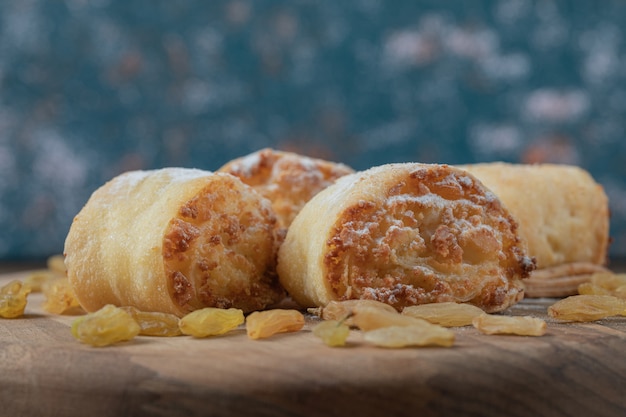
x: 575, y: 369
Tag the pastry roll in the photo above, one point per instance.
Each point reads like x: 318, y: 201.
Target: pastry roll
x: 174, y: 240
x: 287, y: 179
x: 562, y: 213
x: 405, y: 234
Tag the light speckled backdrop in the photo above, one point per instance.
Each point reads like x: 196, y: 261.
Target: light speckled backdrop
x: 89, y: 89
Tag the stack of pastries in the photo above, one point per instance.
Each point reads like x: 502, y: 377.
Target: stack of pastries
x: 175, y: 240
x: 276, y: 224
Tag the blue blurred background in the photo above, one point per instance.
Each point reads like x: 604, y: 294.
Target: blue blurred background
x: 91, y: 88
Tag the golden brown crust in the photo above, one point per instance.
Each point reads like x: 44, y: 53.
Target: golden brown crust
x: 287, y: 179
x: 174, y: 240
x: 562, y: 213
x: 405, y: 234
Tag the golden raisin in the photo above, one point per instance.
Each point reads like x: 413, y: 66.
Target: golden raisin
x: 340, y: 310
x: 332, y: 332
x: 411, y: 335
x: 39, y: 278
x: 605, y: 283
x: 608, y: 280
x: 587, y: 307
x: 589, y: 288
x: 104, y: 327
x: 60, y: 297
x: 263, y: 324
x: 56, y: 265
x: 13, y: 299
x: 211, y: 321
x: 36, y: 280
x: 369, y: 318
x: 448, y: 314
x: 514, y: 325
x: 154, y: 323
x: 620, y: 292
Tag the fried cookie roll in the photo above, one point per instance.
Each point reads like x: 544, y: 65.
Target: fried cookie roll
x: 174, y: 240
x: 287, y: 179
x: 405, y: 234
x: 562, y: 213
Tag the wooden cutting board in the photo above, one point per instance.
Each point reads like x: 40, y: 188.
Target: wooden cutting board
x: 575, y: 369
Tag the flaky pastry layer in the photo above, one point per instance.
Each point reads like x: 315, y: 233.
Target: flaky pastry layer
x: 174, y: 240
x: 405, y: 234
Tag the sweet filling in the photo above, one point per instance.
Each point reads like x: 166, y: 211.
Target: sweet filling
x: 220, y: 251
x: 438, y: 236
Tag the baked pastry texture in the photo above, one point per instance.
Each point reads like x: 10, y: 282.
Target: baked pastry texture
x: 174, y: 240
x: 287, y: 179
x: 563, y: 214
x: 405, y: 234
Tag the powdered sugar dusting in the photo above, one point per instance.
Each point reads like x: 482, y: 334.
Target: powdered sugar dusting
x: 185, y: 174
x: 130, y: 180
x: 127, y: 180
x: 247, y: 165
